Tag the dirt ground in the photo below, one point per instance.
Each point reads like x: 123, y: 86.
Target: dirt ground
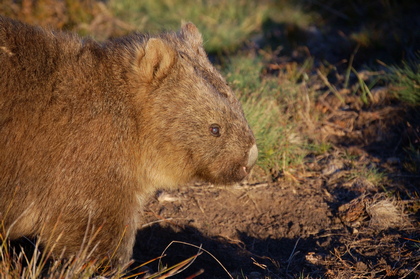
x: 328, y: 220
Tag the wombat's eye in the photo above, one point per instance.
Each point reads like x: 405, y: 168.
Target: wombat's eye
x: 215, y: 130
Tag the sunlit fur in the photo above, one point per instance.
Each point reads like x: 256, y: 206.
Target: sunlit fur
x: 88, y: 129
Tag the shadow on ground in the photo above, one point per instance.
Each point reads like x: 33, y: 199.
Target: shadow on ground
x: 275, y: 258
x: 249, y: 256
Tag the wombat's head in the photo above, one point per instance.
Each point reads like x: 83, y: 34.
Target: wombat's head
x: 191, y: 123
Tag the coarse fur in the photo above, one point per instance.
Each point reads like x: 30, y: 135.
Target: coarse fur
x: 88, y: 129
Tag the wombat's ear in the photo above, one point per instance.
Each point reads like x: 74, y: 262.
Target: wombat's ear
x: 156, y: 60
x: 191, y: 34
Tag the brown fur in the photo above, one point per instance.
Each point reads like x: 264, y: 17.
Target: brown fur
x: 88, y: 129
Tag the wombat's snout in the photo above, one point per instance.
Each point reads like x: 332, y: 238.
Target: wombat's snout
x: 252, y: 158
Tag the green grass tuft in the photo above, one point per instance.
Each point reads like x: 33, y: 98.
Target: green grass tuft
x: 273, y: 106
x: 405, y: 81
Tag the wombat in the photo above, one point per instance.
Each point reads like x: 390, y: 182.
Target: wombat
x: 88, y: 129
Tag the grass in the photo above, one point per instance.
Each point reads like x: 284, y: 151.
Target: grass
x: 22, y: 263
x: 225, y: 24
x: 370, y: 176
x: 405, y: 82
x: 275, y: 107
x: 29, y: 259
x: 405, y: 85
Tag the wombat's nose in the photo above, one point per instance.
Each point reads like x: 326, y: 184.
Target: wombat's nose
x: 252, y: 157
